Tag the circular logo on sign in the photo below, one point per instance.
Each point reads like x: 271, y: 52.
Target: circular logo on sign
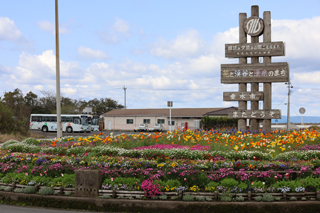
x: 302, y: 110
x: 253, y: 26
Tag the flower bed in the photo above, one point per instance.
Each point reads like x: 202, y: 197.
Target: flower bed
x: 208, y: 164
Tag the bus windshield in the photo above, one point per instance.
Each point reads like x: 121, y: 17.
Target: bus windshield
x: 84, y: 121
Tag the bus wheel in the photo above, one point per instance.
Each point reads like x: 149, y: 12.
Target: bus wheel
x: 44, y: 129
x: 69, y: 129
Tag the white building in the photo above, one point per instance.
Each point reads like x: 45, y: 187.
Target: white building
x: 128, y: 119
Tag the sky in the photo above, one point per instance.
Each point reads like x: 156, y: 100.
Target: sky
x: 160, y: 50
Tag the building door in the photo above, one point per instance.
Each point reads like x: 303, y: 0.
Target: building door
x: 109, y: 124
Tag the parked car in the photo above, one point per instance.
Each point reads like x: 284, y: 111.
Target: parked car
x: 141, y: 128
x: 156, y: 128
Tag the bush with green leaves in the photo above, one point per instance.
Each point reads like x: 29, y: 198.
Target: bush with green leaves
x: 226, y: 197
x: 229, y: 183
x: 18, y: 190
x: 1, y: 188
x: 163, y: 197
x: 293, y: 198
x: 277, y: 198
x: 239, y: 198
x: 30, y: 190
x: 8, y: 188
x: 106, y: 197
x: 212, y: 186
x: 200, y: 198
x: 128, y: 181
x: 68, y: 193
x: 267, y: 198
x: 188, y: 197
x: 46, y: 191
x: 258, y: 198
x: 208, y: 199
x: 304, y: 198
x: 174, y: 198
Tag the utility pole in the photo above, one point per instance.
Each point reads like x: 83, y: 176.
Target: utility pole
x: 125, y: 97
x: 59, y: 124
x: 288, y: 110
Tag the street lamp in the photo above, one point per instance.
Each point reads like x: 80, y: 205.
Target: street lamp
x: 170, y: 104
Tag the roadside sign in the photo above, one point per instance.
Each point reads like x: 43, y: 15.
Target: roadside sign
x: 302, y: 110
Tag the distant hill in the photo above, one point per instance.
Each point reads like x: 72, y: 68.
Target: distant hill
x: 297, y: 119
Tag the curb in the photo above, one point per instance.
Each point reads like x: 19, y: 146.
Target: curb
x: 118, y: 205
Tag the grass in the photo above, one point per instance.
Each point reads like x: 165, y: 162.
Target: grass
x: 18, y: 136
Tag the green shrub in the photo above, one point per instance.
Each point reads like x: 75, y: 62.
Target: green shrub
x: 46, y: 191
x: 30, y: 190
x: 267, y: 198
x: 18, y: 190
x: 293, y: 198
x: 106, y: 197
x: 304, y: 198
x: 200, y: 198
x: 229, y: 183
x: 226, y: 197
x: 1, y: 188
x: 128, y: 181
x: 163, y: 197
x: 68, y: 193
x: 212, y: 186
x: 174, y: 198
x: 277, y: 198
x: 188, y: 197
x: 240, y: 198
x: 258, y: 198
x: 8, y: 189
x: 208, y: 199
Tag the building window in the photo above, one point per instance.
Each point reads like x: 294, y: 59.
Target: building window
x: 129, y: 121
x: 172, y: 123
x: 146, y: 121
x: 160, y: 121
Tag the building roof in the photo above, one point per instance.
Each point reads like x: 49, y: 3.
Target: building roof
x: 175, y: 112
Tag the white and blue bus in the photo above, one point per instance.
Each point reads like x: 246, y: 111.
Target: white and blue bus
x: 93, y: 122
x: 70, y: 123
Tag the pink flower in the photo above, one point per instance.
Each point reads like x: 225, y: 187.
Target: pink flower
x: 40, y: 174
x: 275, y: 177
x: 185, y: 179
x: 26, y: 173
x: 111, y: 179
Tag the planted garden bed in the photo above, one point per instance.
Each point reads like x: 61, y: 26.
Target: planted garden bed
x: 204, y: 166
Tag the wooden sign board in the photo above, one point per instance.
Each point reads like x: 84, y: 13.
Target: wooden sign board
x: 242, y: 96
x: 255, y: 114
x: 254, y: 49
x: 254, y: 73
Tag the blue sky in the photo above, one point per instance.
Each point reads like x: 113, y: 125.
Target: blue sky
x: 159, y: 49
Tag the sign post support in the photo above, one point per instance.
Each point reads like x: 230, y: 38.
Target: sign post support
x: 255, y: 72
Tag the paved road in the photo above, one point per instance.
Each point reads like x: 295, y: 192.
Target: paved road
x: 23, y: 209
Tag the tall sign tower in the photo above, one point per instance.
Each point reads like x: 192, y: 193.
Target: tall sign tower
x: 255, y: 72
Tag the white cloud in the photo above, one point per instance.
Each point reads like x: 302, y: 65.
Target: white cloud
x: 121, y: 26
x: 9, y: 31
x: 88, y: 53
x: 302, y: 37
x: 119, y: 30
x: 307, y: 78
x: 185, y: 45
x: 48, y: 26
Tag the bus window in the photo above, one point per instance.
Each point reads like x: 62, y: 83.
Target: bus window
x: 54, y: 119
x: 76, y: 120
x: 39, y: 118
x: 63, y: 119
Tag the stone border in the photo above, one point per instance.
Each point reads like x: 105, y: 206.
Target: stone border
x: 116, y: 205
